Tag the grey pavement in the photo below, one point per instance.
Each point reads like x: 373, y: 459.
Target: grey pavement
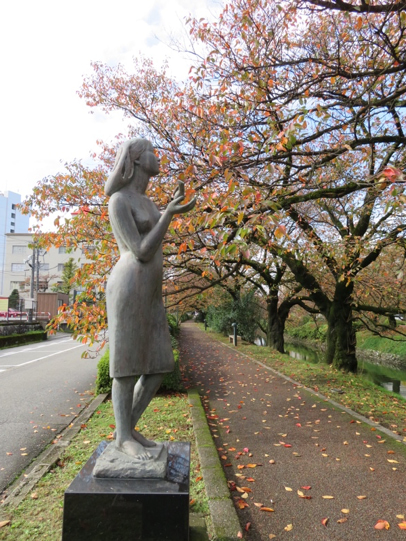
x: 289, y: 451
x: 43, y: 387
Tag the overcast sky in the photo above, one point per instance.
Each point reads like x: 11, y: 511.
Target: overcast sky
x: 46, y: 49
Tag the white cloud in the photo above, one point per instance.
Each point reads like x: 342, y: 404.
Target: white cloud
x: 47, y: 48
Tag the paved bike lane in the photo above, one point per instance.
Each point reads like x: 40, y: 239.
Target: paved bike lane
x: 293, y: 460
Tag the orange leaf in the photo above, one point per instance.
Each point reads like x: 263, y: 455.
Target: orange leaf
x: 324, y: 521
x: 4, y: 523
x: 342, y: 520
x: 268, y: 509
x: 247, y: 526
x: 382, y: 525
x: 402, y: 525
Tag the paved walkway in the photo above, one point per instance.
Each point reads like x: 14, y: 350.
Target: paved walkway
x: 294, y: 453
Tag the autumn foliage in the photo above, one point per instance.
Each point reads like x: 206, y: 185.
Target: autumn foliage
x: 289, y: 131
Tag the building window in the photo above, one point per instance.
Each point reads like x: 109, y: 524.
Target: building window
x: 17, y: 285
x: 62, y: 250
x: 19, y: 249
x: 13, y: 206
x: 88, y: 249
x: 12, y: 224
x: 11, y: 230
x: 44, y: 266
x: 17, y: 267
x: 60, y: 267
x: 13, y: 214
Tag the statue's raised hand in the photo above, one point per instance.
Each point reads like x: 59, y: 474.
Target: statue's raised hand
x: 174, y: 206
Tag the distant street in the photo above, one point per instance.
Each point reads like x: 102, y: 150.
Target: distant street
x: 42, y: 387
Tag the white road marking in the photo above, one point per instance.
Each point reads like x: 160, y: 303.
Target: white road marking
x: 46, y: 356
x: 32, y: 349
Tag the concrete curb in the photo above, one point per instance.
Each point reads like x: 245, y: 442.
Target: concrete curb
x: 225, y: 523
x: 44, y: 462
x: 351, y: 412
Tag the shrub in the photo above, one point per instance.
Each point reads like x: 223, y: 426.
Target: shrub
x: 174, y: 327
x: 171, y: 382
x: 243, y: 311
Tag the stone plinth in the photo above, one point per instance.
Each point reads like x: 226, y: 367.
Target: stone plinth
x: 136, y: 509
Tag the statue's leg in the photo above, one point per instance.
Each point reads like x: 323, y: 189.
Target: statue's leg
x: 144, y: 391
x: 122, y: 395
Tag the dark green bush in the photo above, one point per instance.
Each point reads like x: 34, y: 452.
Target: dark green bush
x: 174, y: 327
x: 21, y: 339
x: 171, y: 382
x: 243, y: 311
x: 308, y: 331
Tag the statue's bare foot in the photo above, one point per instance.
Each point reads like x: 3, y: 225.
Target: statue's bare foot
x: 140, y: 438
x: 133, y: 449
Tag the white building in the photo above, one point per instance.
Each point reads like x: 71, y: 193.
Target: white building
x: 11, y: 221
x: 17, y: 270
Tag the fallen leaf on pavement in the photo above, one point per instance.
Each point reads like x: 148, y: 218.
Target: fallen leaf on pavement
x: 345, y: 511
x: 288, y: 489
x: 362, y: 497
x: 324, y: 521
x: 268, y: 509
x: 247, y: 526
x: 328, y: 497
x: 402, y: 525
x: 382, y: 525
x: 272, y: 536
x: 342, y: 520
x: 288, y: 528
x: 34, y: 496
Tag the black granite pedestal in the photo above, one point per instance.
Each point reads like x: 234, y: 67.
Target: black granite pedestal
x: 130, y: 509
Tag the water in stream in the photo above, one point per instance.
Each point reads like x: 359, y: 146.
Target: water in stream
x: 389, y: 378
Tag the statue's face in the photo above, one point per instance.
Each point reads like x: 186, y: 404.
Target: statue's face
x: 149, y: 162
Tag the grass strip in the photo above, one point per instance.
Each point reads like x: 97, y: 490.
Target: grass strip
x: 39, y: 516
x: 350, y: 390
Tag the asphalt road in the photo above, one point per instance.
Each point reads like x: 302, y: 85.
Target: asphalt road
x: 43, y: 387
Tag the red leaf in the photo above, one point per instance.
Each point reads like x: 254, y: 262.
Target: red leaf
x: 324, y: 521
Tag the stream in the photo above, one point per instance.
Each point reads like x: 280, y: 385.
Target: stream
x: 388, y: 378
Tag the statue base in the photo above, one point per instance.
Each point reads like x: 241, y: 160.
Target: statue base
x: 137, y: 509
x: 114, y: 464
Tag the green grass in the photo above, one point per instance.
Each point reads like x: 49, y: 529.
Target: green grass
x: 362, y: 396
x: 367, y: 340
x: 39, y: 516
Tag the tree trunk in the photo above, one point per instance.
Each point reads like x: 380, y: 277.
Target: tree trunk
x: 276, y: 325
x: 341, y: 338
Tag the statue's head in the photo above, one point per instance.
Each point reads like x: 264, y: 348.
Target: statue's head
x: 139, y: 153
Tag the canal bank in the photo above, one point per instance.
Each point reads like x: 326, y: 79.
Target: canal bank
x: 385, y: 370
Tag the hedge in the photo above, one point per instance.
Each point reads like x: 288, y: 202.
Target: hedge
x: 21, y: 339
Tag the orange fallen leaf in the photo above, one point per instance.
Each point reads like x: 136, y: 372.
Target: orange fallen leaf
x: 382, y: 525
x: 34, y: 496
x: 240, y: 467
x: 307, y: 487
x: 328, y: 497
x: 250, y: 479
x: 198, y: 478
x: 268, y: 509
x: 247, y: 526
x: 259, y: 504
x: 272, y: 536
x: 345, y: 511
x: 272, y: 461
x: 391, y: 452
x: 252, y: 465
x: 362, y: 497
x: 288, y: 489
x: 246, y: 489
x: 342, y: 520
x: 402, y: 525
x: 4, y: 523
x: 288, y: 528
x: 324, y: 521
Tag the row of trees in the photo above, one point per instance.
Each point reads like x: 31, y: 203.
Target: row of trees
x: 290, y: 133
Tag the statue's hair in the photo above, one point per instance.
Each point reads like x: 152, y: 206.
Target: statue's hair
x: 124, y: 165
